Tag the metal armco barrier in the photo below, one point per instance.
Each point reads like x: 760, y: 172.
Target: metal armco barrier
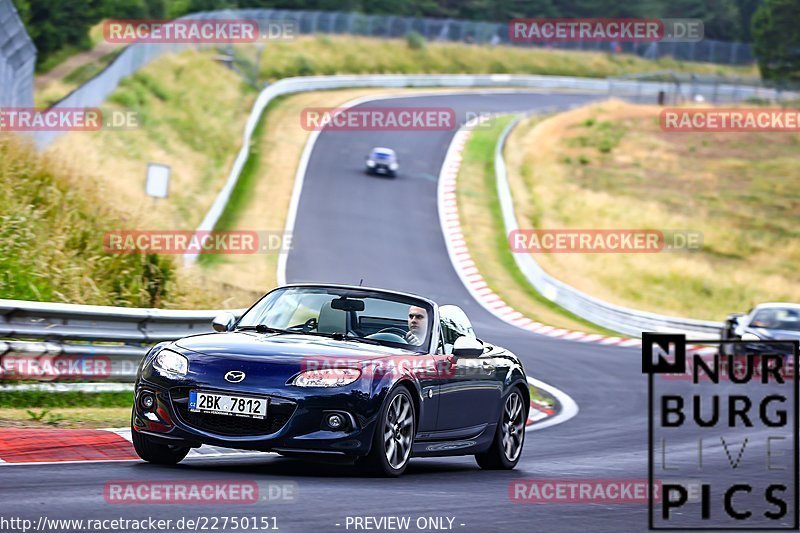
x: 41, y: 331
x: 625, y: 320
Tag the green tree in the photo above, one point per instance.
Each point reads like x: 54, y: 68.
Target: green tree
x: 776, y: 40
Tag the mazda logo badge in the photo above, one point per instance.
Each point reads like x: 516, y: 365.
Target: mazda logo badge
x: 234, y: 376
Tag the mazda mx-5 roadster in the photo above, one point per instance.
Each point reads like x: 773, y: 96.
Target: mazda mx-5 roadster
x: 370, y: 375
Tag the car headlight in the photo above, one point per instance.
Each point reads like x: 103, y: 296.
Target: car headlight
x: 393, y: 166
x: 370, y: 163
x: 327, y: 377
x: 170, y: 363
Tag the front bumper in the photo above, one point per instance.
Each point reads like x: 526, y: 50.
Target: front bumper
x: 381, y: 169
x: 294, y: 419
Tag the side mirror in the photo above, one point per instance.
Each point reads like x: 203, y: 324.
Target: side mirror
x: 223, y: 322
x: 750, y: 337
x: 467, y: 347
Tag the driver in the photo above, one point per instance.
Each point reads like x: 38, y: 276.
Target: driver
x: 417, y: 325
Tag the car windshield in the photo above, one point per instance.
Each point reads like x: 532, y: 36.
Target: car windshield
x: 777, y: 318
x: 357, y: 314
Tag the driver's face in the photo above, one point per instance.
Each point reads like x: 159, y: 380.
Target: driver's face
x: 417, y: 319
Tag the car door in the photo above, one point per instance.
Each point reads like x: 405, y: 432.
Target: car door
x: 470, y: 388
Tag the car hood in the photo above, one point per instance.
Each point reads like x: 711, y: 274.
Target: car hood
x: 776, y: 334
x: 287, y: 347
x: 269, y: 360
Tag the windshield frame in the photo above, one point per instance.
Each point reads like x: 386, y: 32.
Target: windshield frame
x: 369, y: 292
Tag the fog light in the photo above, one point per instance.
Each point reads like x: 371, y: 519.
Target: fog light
x: 147, y: 400
x: 336, y: 421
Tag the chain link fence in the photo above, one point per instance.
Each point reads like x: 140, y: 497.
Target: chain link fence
x: 309, y: 22
x: 17, y: 59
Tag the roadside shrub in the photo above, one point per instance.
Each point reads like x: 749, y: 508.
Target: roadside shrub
x: 415, y: 41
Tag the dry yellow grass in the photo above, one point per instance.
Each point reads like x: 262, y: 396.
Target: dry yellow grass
x: 611, y: 166
x: 193, y: 123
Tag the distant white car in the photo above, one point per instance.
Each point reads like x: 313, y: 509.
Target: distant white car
x: 765, y: 322
x: 382, y: 161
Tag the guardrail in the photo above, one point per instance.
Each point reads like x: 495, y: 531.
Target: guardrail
x: 285, y: 86
x: 118, y: 337
x: 625, y: 320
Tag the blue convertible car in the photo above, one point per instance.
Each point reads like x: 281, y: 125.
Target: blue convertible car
x: 374, y: 375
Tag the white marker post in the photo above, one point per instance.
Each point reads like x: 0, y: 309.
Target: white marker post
x: 157, y: 184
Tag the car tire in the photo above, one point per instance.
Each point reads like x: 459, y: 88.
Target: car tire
x: 393, y: 437
x: 155, y: 452
x: 509, y: 438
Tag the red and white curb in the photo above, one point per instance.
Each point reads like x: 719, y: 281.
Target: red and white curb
x: 468, y: 271
x: 46, y: 446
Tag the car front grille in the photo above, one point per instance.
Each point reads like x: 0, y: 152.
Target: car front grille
x: 278, y: 413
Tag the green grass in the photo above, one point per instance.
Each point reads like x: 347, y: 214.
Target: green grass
x: 242, y: 191
x: 46, y: 399
x: 537, y: 396
x: 86, y: 72
x: 355, y: 55
x: 51, y: 239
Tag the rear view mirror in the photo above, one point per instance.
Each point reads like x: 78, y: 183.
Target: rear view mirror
x: 467, y: 347
x: 346, y: 304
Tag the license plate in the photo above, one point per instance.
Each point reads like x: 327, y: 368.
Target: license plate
x: 223, y: 404
x: 381, y: 170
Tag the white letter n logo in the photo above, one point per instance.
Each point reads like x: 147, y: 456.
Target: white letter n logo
x: 663, y: 353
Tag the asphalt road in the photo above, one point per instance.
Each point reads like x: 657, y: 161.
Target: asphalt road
x: 386, y: 231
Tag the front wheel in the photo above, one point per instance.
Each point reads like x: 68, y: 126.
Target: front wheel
x: 155, y: 452
x: 506, y: 448
x: 394, y: 435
